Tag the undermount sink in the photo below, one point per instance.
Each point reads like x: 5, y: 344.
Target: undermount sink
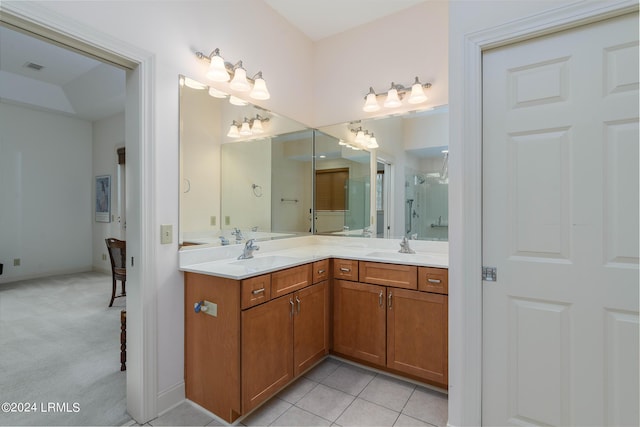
x: 265, y: 261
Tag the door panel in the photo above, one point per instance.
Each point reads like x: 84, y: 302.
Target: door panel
x: 311, y: 326
x: 560, y: 223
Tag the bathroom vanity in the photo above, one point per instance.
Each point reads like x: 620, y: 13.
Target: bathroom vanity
x: 253, y: 326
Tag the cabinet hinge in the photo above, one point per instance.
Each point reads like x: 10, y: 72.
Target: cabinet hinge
x: 490, y: 274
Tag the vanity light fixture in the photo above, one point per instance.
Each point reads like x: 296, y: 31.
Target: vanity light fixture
x: 248, y: 127
x: 237, y: 101
x: 222, y: 71
x: 394, y: 96
x: 245, y: 129
x: 233, y: 130
x: 363, y: 139
x: 217, y: 93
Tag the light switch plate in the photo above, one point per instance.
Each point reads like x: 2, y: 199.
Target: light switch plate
x: 210, y: 308
x: 166, y: 234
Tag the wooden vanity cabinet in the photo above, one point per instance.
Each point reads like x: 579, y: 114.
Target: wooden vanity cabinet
x: 359, y: 321
x: 281, y: 339
x: 405, y: 330
x: 417, y: 328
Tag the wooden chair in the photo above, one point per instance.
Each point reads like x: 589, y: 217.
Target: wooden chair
x: 118, y: 255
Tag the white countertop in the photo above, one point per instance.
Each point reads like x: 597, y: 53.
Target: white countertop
x: 278, y: 254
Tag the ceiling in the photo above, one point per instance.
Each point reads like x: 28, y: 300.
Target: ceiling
x: 79, y: 86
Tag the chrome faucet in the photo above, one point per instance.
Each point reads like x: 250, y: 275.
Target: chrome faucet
x: 236, y: 232
x: 249, y: 247
x: 367, y: 232
x: 224, y: 241
x: 404, y: 247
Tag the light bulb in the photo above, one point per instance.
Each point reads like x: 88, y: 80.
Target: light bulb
x: 259, y: 90
x: 216, y: 93
x: 237, y: 101
x: 257, y: 127
x: 239, y: 81
x: 245, y: 129
x: 217, y: 69
x: 233, y: 131
x: 417, y: 93
x: 393, y: 100
x: 373, y: 142
x: 371, y: 104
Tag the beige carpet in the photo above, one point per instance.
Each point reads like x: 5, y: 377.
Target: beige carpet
x: 60, y: 352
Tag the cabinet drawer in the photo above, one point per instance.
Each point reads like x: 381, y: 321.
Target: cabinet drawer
x: 396, y: 275
x: 433, y: 280
x: 255, y: 290
x: 346, y: 269
x: 289, y: 280
x: 320, y: 270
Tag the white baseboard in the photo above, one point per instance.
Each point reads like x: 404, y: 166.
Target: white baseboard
x: 170, y: 398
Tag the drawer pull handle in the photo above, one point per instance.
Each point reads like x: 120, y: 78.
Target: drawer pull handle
x: 298, y: 301
x: 380, y: 298
x: 434, y: 280
x: 345, y: 269
x: 257, y: 291
x: 321, y: 271
x: 291, y: 312
x: 390, y: 302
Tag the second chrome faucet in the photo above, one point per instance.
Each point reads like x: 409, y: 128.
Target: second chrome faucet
x: 249, y: 247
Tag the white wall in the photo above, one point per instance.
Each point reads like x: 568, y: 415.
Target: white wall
x: 410, y: 43
x: 45, y: 192
x: 108, y: 136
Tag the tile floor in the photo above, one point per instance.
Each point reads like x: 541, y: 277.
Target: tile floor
x: 334, y: 393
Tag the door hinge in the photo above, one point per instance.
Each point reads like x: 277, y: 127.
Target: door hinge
x: 490, y: 274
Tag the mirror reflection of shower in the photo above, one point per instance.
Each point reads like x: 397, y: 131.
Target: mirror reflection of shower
x: 426, y: 196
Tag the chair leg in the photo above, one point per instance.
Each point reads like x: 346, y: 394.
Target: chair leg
x: 113, y: 291
x: 124, y: 288
x: 123, y: 340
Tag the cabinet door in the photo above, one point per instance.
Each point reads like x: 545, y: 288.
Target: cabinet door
x: 417, y: 334
x: 310, y: 326
x: 267, y: 350
x: 359, y: 321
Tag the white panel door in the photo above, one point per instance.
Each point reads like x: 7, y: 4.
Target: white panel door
x: 560, y: 223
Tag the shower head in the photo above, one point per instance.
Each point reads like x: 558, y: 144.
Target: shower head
x: 418, y: 179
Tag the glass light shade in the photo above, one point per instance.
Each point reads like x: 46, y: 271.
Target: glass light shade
x: 257, y: 127
x: 237, y: 101
x: 260, y: 90
x: 217, y: 70
x: 233, y: 131
x: 373, y: 142
x: 417, y: 94
x: 239, y: 81
x: 355, y: 148
x: 217, y: 93
x: 245, y: 129
x: 359, y: 136
x: 341, y: 142
x: 393, y: 100
x: 371, y: 104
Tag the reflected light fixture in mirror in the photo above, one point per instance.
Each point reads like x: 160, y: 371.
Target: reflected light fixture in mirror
x: 394, y: 96
x: 221, y: 71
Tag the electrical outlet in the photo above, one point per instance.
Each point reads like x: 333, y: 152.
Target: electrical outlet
x: 227, y: 220
x: 104, y: 257
x: 16, y: 262
x: 166, y: 234
x: 213, y: 220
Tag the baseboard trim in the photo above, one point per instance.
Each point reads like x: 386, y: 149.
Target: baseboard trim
x: 170, y: 398
x: 43, y: 274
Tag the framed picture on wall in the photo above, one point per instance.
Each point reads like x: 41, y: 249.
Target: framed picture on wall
x: 103, y: 198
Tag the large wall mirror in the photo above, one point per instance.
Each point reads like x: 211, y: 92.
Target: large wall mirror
x: 250, y: 173
x: 245, y: 172
x: 410, y: 193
